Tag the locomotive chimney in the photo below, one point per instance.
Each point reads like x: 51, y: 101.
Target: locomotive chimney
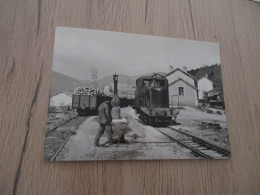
x: 185, y: 68
x: 206, y: 75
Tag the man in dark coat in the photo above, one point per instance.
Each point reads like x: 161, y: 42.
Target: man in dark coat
x: 105, y: 121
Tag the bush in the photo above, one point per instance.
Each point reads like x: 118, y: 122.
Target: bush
x: 51, y: 109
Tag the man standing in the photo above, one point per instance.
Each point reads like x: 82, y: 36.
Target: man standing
x: 83, y: 109
x: 118, y: 123
x: 105, y: 121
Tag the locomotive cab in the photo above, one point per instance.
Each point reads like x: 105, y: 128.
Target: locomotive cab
x: 152, y: 92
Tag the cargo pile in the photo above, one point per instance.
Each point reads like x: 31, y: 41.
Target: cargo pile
x: 126, y: 96
x: 90, y: 91
x: 95, y: 91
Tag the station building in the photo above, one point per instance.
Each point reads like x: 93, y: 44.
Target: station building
x: 182, y: 88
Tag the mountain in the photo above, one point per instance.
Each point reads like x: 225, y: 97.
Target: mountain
x: 61, y: 82
x: 214, y: 74
x: 123, y: 79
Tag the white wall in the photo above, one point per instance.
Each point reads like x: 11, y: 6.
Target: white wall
x: 204, y: 85
x: 178, y: 74
x: 190, y: 94
x: 61, y: 99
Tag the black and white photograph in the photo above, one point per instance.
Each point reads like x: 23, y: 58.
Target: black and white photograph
x: 122, y: 96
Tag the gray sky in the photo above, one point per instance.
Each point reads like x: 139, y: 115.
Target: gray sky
x: 77, y: 50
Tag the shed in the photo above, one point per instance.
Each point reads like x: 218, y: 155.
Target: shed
x: 215, y: 98
x: 204, y: 85
x: 61, y: 98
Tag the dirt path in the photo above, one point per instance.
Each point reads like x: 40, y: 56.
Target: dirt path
x: 153, y: 146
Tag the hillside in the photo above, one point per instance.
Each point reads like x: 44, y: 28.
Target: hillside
x: 61, y: 82
x: 214, y: 74
x: 123, y: 79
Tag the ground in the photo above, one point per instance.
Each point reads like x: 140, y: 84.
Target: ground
x: 56, y: 119
x: 144, y: 142
x: 190, y: 119
x: 55, y: 138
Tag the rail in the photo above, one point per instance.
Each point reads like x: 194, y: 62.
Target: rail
x: 198, y: 146
x: 53, y: 158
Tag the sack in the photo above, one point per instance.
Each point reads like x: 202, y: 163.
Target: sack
x: 115, y: 112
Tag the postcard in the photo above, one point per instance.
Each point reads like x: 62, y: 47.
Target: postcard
x: 122, y: 96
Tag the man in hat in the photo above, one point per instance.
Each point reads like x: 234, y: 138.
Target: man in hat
x: 105, y: 121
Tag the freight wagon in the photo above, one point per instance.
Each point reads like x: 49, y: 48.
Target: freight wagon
x: 87, y: 104
x: 124, y: 102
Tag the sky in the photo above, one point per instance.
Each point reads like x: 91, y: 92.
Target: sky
x: 77, y: 50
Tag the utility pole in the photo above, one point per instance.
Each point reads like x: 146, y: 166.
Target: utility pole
x: 94, y: 76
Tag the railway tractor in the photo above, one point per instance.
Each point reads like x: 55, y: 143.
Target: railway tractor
x: 152, y: 100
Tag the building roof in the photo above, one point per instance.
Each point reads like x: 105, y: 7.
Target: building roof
x: 168, y: 74
x: 214, y: 92
x: 180, y: 79
x: 153, y: 75
x: 68, y: 93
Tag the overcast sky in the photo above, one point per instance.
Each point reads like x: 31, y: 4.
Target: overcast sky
x: 77, y: 50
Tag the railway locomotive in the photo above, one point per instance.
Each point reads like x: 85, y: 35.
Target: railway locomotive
x: 152, y: 100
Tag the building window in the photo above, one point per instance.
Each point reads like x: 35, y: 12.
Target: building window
x: 181, y: 91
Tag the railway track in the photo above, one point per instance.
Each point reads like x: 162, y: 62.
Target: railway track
x: 198, y: 146
x: 62, y: 135
x: 59, y: 125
